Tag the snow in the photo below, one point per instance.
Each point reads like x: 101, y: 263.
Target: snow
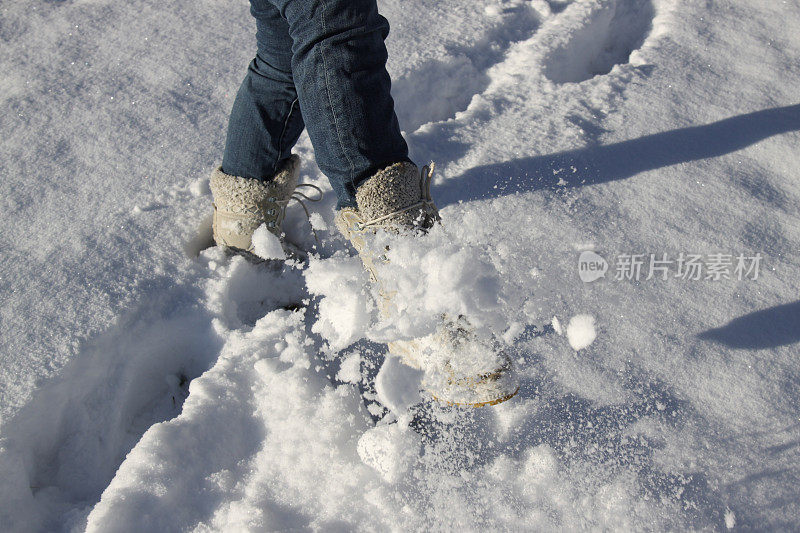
x: 200, y: 186
x: 429, y: 276
x: 346, y: 309
x: 581, y: 331
x: 350, y: 369
x: 390, y: 449
x: 514, y: 330
x: 556, y: 323
x: 148, y: 383
x: 730, y: 519
x: 266, y: 244
x: 397, y: 386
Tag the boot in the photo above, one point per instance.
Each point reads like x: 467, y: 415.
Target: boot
x: 241, y: 205
x: 398, y: 199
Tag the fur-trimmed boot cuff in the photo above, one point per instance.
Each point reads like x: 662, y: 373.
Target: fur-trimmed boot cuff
x: 241, y: 205
x: 398, y: 197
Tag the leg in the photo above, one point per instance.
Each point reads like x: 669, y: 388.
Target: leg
x: 265, y: 121
x: 339, y: 66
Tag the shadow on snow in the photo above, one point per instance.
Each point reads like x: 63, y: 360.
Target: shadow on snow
x: 601, y: 164
x: 767, y: 328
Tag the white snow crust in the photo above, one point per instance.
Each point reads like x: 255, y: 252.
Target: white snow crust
x: 148, y: 383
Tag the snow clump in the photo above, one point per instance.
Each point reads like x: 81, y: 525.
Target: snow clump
x: 390, y: 449
x: 345, y: 310
x: 581, y: 332
x: 266, y: 244
x: 428, y: 277
x: 398, y: 385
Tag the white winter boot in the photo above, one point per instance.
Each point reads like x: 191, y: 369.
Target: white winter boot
x: 241, y: 205
x: 398, y: 199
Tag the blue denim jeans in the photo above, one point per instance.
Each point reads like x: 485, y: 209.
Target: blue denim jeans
x: 321, y: 64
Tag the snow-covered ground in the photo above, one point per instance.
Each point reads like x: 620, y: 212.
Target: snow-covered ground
x: 146, y: 388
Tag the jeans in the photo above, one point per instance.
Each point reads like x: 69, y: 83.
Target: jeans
x: 321, y: 64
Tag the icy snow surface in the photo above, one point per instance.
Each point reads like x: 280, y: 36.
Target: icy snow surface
x: 146, y: 387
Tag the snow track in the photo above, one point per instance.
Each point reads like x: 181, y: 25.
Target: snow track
x: 66, y: 445
x: 599, y: 36
x: 438, y: 89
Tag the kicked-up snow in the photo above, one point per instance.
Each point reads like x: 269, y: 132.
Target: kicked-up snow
x: 618, y: 182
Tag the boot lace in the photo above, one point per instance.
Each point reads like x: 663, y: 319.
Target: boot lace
x: 300, y: 198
